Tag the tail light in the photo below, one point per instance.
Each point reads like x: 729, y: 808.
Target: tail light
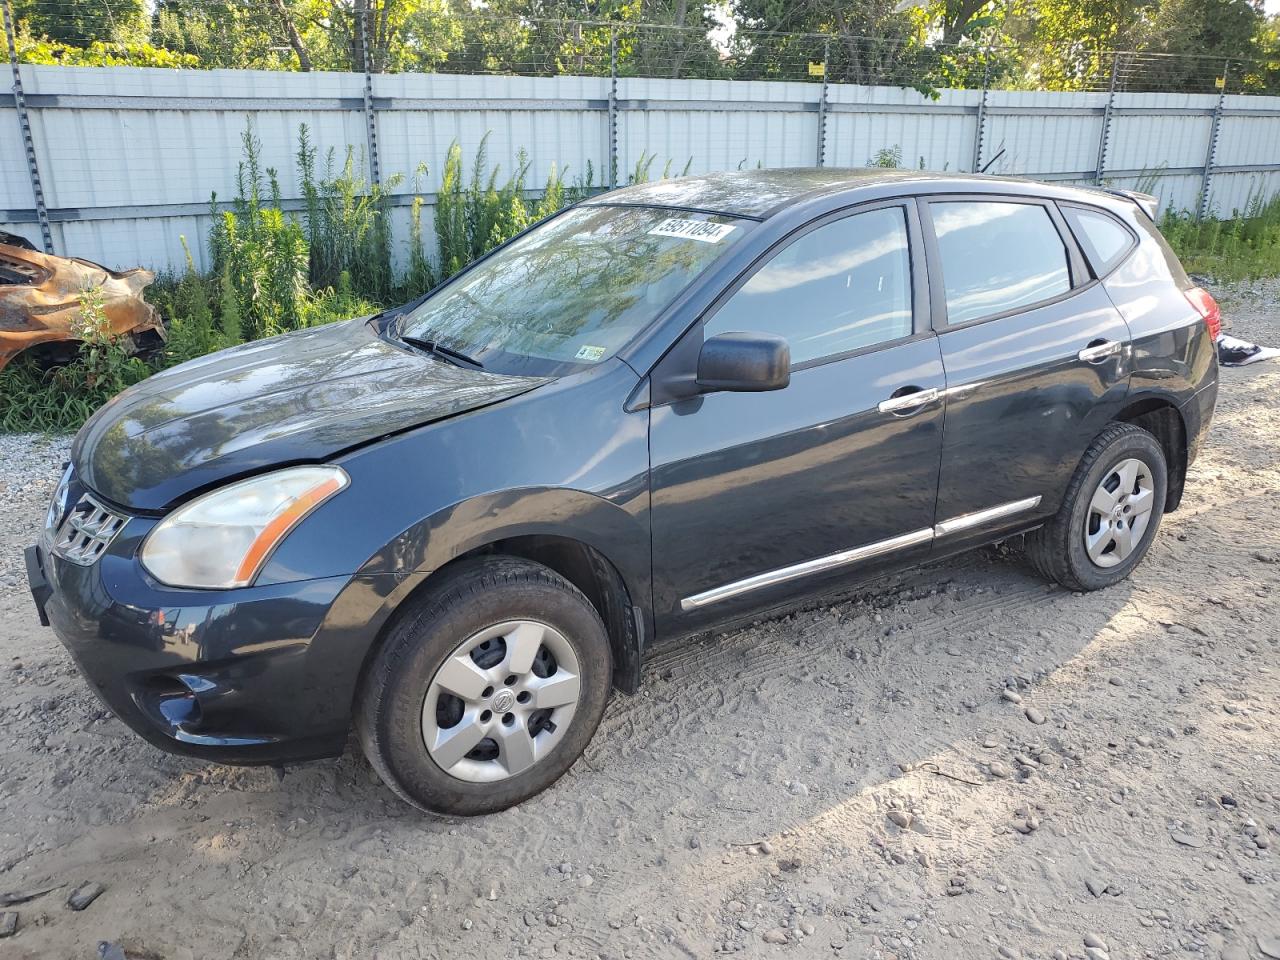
x: 1207, y: 307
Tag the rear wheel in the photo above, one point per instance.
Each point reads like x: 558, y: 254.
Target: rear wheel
x: 487, y: 689
x: 1110, y: 514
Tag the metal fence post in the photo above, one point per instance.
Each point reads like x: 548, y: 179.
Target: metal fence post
x: 822, y: 104
x: 24, y: 125
x: 1212, y: 153
x: 370, y: 121
x: 982, y: 112
x: 613, y: 107
x: 1104, y: 138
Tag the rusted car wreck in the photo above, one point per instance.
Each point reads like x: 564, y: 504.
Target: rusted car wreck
x: 40, y: 300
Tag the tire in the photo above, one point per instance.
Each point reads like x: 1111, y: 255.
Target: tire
x: 477, y: 626
x: 1061, y: 549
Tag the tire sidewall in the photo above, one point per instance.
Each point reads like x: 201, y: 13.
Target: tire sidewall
x: 1137, y: 445
x: 424, y: 641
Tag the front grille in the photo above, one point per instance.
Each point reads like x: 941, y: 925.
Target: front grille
x: 86, y: 532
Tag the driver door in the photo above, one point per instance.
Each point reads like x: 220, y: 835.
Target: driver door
x: 759, y: 497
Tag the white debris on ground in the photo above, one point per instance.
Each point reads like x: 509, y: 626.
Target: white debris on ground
x: 962, y: 761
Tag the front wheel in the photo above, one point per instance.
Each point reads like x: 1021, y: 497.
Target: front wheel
x: 1110, y: 514
x: 487, y: 688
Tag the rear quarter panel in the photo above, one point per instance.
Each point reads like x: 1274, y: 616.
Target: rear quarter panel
x: 1173, y: 355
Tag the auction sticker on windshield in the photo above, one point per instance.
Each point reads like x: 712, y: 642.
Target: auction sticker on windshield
x: 693, y: 230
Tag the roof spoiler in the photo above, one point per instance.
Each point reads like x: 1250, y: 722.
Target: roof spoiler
x: 1146, y: 202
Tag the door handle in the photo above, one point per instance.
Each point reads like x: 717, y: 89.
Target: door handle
x: 909, y: 401
x: 1099, y: 350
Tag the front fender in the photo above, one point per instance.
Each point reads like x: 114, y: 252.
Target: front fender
x: 621, y: 537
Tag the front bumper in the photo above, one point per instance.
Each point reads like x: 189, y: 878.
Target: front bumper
x: 256, y: 675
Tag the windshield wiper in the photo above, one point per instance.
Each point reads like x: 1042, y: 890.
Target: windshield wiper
x: 436, y: 348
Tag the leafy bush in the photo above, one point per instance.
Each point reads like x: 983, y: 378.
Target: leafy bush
x: 346, y: 221
x: 261, y: 252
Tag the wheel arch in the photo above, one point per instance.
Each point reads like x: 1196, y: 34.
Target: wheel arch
x: 1160, y: 417
x: 600, y: 581
x: 613, y: 582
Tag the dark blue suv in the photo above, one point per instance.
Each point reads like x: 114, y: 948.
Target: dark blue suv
x: 460, y: 524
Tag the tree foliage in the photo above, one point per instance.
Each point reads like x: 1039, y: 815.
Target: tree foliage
x: 1047, y: 44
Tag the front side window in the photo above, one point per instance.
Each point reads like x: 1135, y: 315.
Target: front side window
x: 573, y: 291
x: 1104, y: 241
x: 997, y: 256
x: 841, y: 287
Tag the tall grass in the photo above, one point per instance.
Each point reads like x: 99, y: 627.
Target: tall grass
x: 260, y: 251
x: 346, y: 221
x: 1245, y: 247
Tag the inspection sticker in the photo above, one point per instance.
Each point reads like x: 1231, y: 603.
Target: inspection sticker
x: 693, y: 230
x: 589, y: 353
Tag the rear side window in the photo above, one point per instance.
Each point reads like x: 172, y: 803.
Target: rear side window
x: 838, y: 288
x: 997, y: 256
x: 1105, y: 242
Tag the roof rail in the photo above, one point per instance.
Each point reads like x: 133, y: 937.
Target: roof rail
x: 1146, y: 202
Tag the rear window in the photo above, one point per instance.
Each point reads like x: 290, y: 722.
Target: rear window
x: 1104, y: 240
x: 997, y: 256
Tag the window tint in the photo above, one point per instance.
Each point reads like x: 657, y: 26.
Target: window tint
x: 841, y: 287
x: 997, y: 256
x: 1104, y: 241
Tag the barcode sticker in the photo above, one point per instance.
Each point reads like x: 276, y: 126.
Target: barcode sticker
x: 693, y: 230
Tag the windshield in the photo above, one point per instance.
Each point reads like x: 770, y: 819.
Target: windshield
x: 573, y: 291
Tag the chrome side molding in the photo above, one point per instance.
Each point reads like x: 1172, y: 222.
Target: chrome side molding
x: 976, y: 519
x: 846, y: 557
x: 783, y: 574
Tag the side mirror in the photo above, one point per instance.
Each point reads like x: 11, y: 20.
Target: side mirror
x: 744, y: 363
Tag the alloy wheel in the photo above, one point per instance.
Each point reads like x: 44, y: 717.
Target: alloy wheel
x: 501, y: 701
x: 1119, y: 513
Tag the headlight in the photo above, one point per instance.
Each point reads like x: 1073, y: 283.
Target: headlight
x: 222, y: 539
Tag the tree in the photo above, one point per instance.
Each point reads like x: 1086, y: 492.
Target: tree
x: 1066, y: 44
x: 80, y: 22
x: 871, y: 41
x: 1204, y: 35
x: 222, y: 33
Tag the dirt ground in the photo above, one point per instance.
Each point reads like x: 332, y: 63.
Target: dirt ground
x: 753, y: 797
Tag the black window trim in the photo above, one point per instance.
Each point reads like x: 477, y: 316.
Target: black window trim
x: 919, y: 284
x: 1078, y: 274
x: 1116, y: 263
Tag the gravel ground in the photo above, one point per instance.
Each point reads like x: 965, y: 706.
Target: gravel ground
x: 962, y: 762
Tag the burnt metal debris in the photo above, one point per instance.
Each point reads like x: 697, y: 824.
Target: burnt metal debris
x: 40, y: 298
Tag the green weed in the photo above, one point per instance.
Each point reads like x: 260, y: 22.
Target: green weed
x: 1244, y: 247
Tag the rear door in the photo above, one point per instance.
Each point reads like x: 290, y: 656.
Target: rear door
x: 758, y: 497
x: 1035, y: 354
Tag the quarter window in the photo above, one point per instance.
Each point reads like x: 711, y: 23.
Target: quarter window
x: 841, y: 287
x: 997, y: 256
x: 1105, y: 242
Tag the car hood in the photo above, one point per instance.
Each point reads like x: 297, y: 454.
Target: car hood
x: 298, y: 398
